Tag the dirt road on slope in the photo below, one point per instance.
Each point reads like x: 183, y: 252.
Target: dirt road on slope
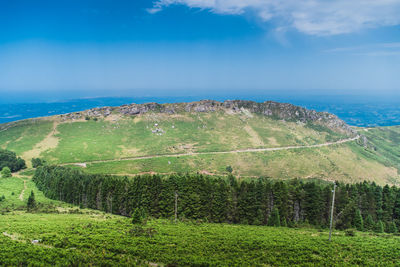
x: 217, y: 152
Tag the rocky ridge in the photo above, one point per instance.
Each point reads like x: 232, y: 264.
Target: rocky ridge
x: 280, y: 111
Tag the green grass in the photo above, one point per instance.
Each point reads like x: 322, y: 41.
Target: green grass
x: 94, y: 238
x: 124, y: 137
x: 340, y: 162
x: 11, y: 188
x: 72, y: 236
x: 386, y: 140
x: 102, y: 140
x: 25, y: 135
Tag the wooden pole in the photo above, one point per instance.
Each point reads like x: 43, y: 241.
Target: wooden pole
x: 333, y: 206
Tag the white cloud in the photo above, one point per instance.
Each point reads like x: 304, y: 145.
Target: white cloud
x: 314, y: 17
x: 374, y: 49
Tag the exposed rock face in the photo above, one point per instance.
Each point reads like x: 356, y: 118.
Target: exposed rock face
x: 281, y: 111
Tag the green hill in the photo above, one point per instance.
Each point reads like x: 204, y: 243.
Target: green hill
x: 62, y: 235
x: 256, y: 139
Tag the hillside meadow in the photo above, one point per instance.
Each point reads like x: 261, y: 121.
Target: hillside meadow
x: 100, y: 144
x: 67, y: 235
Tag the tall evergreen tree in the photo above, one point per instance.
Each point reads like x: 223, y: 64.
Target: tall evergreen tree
x: 274, y: 219
x: 391, y: 227
x: 217, y: 199
x: 369, y: 223
x: 379, y: 227
x: 358, y: 221
x: 31, y: 202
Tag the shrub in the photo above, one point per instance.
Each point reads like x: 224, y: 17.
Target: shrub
x: 229, y: 169
x: 6, y: 172
x: 37, y: 162
x: 350, y: 232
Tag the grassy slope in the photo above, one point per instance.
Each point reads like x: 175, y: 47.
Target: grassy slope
x: 92, y: 237
x: 387, y: 143
x: 109, y: 240
x: 84, y: 141
x: 87, y: 141
x: 334, y: 163
x: 12, y: 188
x: 24, y: 136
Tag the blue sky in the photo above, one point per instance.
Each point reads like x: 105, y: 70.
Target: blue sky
x: 81, y: 48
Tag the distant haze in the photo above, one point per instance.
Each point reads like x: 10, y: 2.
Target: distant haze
x: 355, y: 110
x: 51, y: 50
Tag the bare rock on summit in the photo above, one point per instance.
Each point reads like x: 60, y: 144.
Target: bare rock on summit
x: 275, y: 110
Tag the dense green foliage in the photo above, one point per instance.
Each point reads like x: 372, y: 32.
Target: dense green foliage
x: 37, y: 162
x: 215, y: 199
x: 9, y: 159
x: 97, y: 239
x: 31, y: 202
x: 5, y: 172
x: 70, y: 236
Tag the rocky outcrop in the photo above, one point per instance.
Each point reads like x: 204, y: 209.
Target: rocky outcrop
x: 280, y: 111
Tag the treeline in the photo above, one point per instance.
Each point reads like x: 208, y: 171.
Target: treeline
x: 263, y: 201
x: 9, y: 159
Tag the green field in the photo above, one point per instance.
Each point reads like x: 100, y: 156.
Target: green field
x: 341, y: 162
x: 127, y: 137
x: 70, y: 236
x: 25, y: 135
x: 109, y: 240
x: 387, y: 143
x: 63, y: 141
x: 16, y: 191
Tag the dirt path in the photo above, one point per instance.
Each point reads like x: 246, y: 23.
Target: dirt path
x: 21, y: 196
x: 50, y: 141
x: 217, y: 152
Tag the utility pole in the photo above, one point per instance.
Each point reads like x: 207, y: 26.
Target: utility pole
x: 333, y: 206
x: 176, y: 206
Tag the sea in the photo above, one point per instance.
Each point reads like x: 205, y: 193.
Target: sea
x: 356, y: 110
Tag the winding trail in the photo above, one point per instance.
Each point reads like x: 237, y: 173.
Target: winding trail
x: 217, y: 152
x: 21, y: 196
x: 50, y: 141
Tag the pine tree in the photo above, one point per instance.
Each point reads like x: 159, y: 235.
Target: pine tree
x: 358, y: 221
x: 31, y: 202
x: 369, y: 223
x: 138, y: 216
x: 379, y: 228
x: 392, y: 228
x: 274, y: 219
x: 284, y: 223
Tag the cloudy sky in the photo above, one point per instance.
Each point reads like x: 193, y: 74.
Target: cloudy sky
x: 198, y: 47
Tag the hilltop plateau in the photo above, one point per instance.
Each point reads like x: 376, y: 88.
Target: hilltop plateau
x: 269, y: 139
